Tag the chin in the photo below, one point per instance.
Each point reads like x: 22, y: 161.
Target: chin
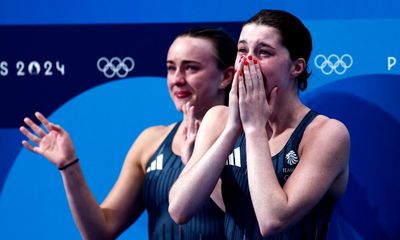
x: 179, y: 106
x: 180, y: 103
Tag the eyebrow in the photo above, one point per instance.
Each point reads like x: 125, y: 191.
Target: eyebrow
x: 266, y: 45
x: 183, y: 62
x: 258, y: 43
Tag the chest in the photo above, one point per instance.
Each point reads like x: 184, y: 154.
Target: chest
x: 162, y: 171
x: 284, y: 162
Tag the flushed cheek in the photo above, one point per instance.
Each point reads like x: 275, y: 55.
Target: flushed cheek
x: 200, y: 95
x: 265, y: 73
x: 269, y: 71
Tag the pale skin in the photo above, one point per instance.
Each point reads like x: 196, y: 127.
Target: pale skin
x: 195, y: 85
x: 264, y: 103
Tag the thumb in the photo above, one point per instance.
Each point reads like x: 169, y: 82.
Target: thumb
x: 55, y: 127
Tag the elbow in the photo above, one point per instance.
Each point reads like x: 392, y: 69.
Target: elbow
x: 177, y: 214
x: 177, y: 208
x: 271, y: 227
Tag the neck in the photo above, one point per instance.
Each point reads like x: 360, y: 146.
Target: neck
x: 289, y: 110
x: 199, y: 112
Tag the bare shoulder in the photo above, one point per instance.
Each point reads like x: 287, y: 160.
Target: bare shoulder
x: 327, y: 137
x: 329, y: 128
x: 215, y: 118
x: 146, y: 144
x: 211, y: 127
x: 153, y: 133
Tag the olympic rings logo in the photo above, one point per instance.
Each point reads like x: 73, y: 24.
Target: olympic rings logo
x: 333, y: 63
x: 115, y: 66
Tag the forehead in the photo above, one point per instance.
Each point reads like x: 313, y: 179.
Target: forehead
x: 191, y: 48
x: 253, y: 34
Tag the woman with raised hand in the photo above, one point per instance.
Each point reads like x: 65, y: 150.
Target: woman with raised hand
x: 282, y: 165
x: 200, y: 70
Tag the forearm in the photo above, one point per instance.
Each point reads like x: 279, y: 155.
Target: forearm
x: 199, y: 178
x: 269, y: 199
x: 87, y: 213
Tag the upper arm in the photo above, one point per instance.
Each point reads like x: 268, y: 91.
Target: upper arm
x: 323, y: 160
x: 185, y: 197
x: 124, y: 203
x: 210, y: 129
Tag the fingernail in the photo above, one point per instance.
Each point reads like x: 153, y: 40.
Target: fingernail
x: 245, y: 62
x: 250, y: 57
x: 255, y: 61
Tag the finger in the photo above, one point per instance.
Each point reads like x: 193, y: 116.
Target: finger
x: 30, y: 135
x: 234, y: 86
x: 55, y: 127
x: 38, y: 130
x: 43, y: 120
x: 191, y: 120
x: 258, y: 69
x: 235, y: 83
x: 184, y: 110
x: 260, y: 82
x: 247, y: 77
x: 31, y: 148
x: 253, y: 73
x: 242, y: 87
x: 185, y: 133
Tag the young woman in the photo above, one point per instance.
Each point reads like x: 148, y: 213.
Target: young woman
x: 289, y: 164
x: 200, y: 70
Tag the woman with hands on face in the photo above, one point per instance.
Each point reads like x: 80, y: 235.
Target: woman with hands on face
x: 200, y: 70
x: 282, y: 165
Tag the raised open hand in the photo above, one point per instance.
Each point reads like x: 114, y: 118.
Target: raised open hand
x: 52, y: 142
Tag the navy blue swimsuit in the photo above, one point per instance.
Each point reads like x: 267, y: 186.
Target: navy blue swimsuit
x: 240, y: 219
x: 163, y: 169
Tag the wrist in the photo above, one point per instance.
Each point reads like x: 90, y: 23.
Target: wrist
x: 235, y: 127
x: 254, y: 131
x: 232, y: 132
x: 67, y: 165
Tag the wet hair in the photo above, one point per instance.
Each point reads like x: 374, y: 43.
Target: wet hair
x: 225, y: 47
x: 294, y: 36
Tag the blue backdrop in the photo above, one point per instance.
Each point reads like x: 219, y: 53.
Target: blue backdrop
x: 52, y: 56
